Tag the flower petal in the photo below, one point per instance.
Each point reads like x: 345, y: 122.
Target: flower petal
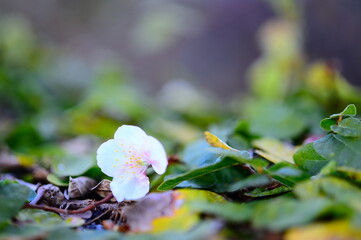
x: 108, y: 156
x: 131, y: 134
x: 115, y: 155
x: 157, y: 155
x: 130, y: 187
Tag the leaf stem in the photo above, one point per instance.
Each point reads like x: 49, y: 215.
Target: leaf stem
x: 339, y: 119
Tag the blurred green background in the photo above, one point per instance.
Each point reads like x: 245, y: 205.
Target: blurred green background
x: 259, y: 74
x: 81, y: 69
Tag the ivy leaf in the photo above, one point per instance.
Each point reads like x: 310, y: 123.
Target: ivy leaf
x: 203, y: 159
x: 12, y: 198
x: 349, y: 111
x: 287, y: 174
x: 251, y: 181
x: 219, y: 181
x: 309, y: 159
x: 327, y: 123
x: 260, y: 192
x: 349, y: 127
x: 173, y: 181
x: 230, y: 211
x: 214, y: 141
x: 282, y: 213
x: 345, y: 151
x: 45, y: 220
x: 335, y: 188
x: 52, y: 178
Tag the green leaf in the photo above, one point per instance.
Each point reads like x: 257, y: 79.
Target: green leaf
x: 241, y: 156
x: 327, y: 123
x: 349, y: 127
x: 281, y: 213
x: 218, y: 181
x: 72, y: 165
x: 286, y: 173
x: 349, y: 111
x: 52, y: 178
x: 172, y: 181
x: 234, y: 212
x: 43, y: 219
x: 308, y: 158
x: 12, y: 198
x: 251, y: 181
x: 334, y: 188
x: 196, y: 155
x: 341, y: 191
x: 274, y: 119
x: 329, y: 169
x: 203, y: 159
x: 259, y: 192
x: 46, y: 220
x: 345, y: 151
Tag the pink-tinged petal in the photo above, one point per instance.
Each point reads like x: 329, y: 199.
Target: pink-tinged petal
x: 115, y: 155
x: 133, y: 135
x: 156, y: 155
x: 130, y: 187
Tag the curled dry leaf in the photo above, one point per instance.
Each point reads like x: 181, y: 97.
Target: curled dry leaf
x: 80, y: 187
x: 103, y: 189
x: 48, y: 195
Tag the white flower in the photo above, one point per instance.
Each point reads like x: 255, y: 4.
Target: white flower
x: 126, y: 159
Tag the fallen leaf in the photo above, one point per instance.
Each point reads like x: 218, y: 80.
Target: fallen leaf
x: 274, y: 150
x: 340, y: 230
x: 80, y: 187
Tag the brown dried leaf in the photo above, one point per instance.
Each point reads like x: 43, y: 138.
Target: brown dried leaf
x: 48, y: 195
x: 103, y: 189
x: 80, y: 187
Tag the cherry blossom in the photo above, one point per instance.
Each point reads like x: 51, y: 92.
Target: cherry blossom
x: 127, y: 157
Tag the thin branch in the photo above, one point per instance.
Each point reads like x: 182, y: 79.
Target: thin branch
x: 98, y: 217
x: 64, y: 211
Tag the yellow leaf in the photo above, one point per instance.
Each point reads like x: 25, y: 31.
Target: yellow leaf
x: 183, y: 218
x: 214, y: 141
x: 274, y: 150
x: 340, y: 230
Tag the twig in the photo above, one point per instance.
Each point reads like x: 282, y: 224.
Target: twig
x: 63, y: 211
x: 98, y: 217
